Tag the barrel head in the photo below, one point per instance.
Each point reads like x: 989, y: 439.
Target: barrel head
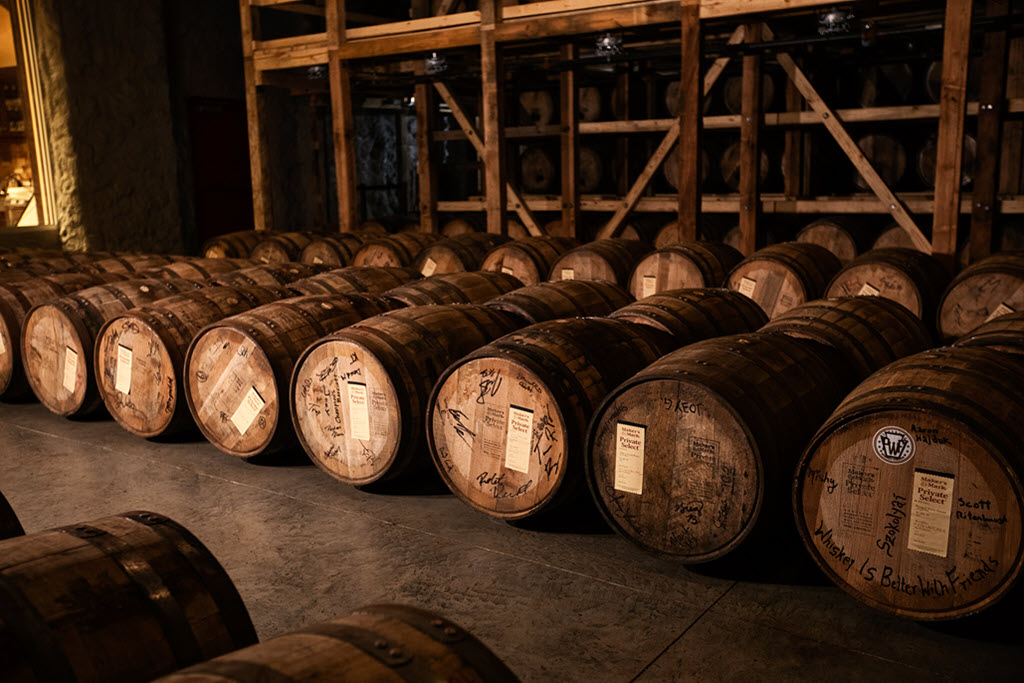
x: 57, y: 353
x: 878, y: 279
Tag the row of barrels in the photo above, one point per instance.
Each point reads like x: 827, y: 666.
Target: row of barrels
x: 137, y: 597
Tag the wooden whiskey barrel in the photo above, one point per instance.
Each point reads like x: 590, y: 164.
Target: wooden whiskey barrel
x: 454, y: 288
x: 670, y: 167
x: 683, y: 266
x: 563, y: 299
x: 672, y: 102
x: 359, y: 396
x: 232, y: 245
x: 270, y: 275
x: 893, y: 236
x: 1005, y: 333
x: 333, y: 250
x: 129, y: 264
x: 693, y: 456
x: 374, y: 643
x: 886, y: 154
x: 354, y: 280
x: 692, y: 315
x: 461, y: 226
x: 281, y: 247
x: 536, y: 108
x: 237, y: 369
x: 785, y: 275
x: 610, y: 259
x: 729, y: 166
x: 844, y: 236
x: 9, y: 524
x: 909, y: 277
x: 200, y: 269
x: 986, y: 290
x: 530, y: 259
x: 910, y: 496
x: 140, y: 355
x: 927, y: 157
x: 588, y: 103
x: 884, y: 84
x: 538, y: 170
x: 58, y: 340
x: 506, y: 424
x: 870, y: 332
x: 123, y: 598
x: 456, y: 254
x: 16, y: 299
x: 397, y: 251
x: 732, y: 93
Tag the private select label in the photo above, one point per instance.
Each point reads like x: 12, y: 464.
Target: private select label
x: 650, y: 285
x: 429, y: 266
x: 931, y: 505
x: 247, y: 410
x: 517, y: 439
x: 1001, y: 310
x: 358, y: 412
x: 123, y: 382
x: 507, y: 270
x: 629, y: 457
x: 568, y: 274
x: 747, y: 287
x: 70, y: 368
x: 867, y: 290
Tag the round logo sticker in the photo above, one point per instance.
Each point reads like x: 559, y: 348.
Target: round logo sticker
x: 894, y: 445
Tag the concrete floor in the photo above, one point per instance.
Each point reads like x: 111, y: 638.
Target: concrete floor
x: 556, y: 606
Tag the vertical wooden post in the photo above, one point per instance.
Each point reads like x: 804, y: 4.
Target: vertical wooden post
x: 991, y: 101
x: 794, y: 143
x: 952, y: 110
x: 342, y: 120
x: 1010, y: 170
x: 750, y: 150
x: 621, y: 96
x: 570, y: 143
x: 426, y: 109
x: 691, y: 99
x: 491, y: 110
x: 259, y: 163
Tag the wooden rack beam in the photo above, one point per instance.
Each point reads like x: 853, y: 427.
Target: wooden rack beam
x: 750, y: 148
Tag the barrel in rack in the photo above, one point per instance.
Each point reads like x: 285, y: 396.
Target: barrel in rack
x: 729, y: 166
x: 683, y: 266
x: 16, y: 299
x: 563, y: 299
x: 453, y: 288
x: 232, y: 245
x: 58, y: 340
x: 333, y: 250
x: 927, y: 157
x: 354, y: 280
x: 374, y: 643
x: 869, y: 332
x: 281, y: 247
x: 910, y: 495
x: 237, y: 369
x: 506, y: 424
x: 529, y: 259
x: 9, y: 524
x: 610, y: 259
x: 692, y: 315
x: 785, y: 275
x: 359, y: 395
x: 140, y: 355
x: 693, y: 456
x: 990, y: 288
x: 844, y: 236
x: 909, y: 277
x: 887, y: 155
x: 397, y: 251
x: 893, y: 236
x: 456, y: 254
x: 122, y: 598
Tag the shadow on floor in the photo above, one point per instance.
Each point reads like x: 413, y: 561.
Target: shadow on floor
x: 1001, y: 623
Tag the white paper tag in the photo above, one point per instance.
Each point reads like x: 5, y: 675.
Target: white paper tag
x: 568, y: 274
x: 123, y: 382
x: 650, y: 286
x: 264, y: 259
x: 867, y: 290
x: 507, y: 270
x: 629, y: 457
x: 747, y: 287
x: 3, y: 344
x: 358, y: 412
x: 317, y: 260
x: 1001, y: 310
x: 247, y: 410
x: 429, y: 266
x: 517, y: 439
x: 931, y: 504
x: 70, y: 368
